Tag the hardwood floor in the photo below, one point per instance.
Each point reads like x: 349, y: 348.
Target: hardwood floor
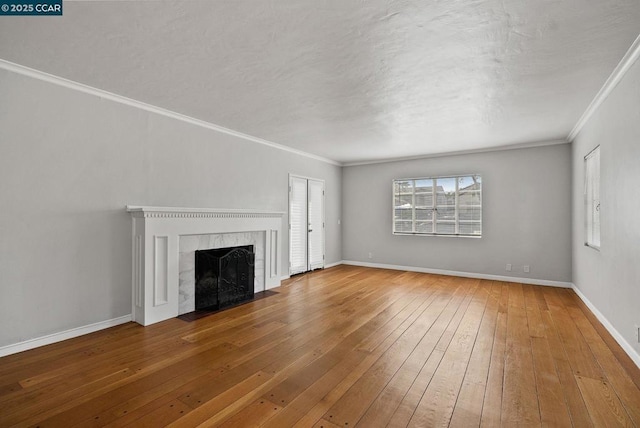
x: 343, y: 347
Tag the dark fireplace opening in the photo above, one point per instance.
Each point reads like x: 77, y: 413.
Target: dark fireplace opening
x: 224, y: 277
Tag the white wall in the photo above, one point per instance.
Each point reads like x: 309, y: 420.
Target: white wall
x: 70, y: 162
x: 610, y: 278
x: 526, y: 214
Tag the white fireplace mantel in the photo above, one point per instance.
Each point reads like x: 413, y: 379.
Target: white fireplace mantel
x: 155, y: 247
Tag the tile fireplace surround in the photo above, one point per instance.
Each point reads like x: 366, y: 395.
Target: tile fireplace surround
x: 156, y: 247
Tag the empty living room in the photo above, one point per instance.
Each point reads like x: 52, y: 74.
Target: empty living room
x: 319, y: 213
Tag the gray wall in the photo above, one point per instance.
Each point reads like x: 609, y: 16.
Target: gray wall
x: 70, y: 162
x: 526, y: 214
x: 610, y: 278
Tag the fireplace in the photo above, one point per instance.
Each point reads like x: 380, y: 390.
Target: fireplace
x: 224, y: 277
x: 164, y: 241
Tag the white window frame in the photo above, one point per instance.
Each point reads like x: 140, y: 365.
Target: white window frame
x: 434, y: 207
x: 592, y: 199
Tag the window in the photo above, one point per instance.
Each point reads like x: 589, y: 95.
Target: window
x: 592, y: 198
x: 438, y: 206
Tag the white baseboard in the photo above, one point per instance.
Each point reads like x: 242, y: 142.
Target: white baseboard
x: 330, y: 265
x: 533, y: 281
x: 633, y: 354
x: 63, y: 335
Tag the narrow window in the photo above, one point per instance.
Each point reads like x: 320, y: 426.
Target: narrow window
x: 592, y: 198
x: 450, y: 206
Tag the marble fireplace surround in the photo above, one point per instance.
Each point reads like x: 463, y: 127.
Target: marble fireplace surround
x: 187, y: 261
x: 164, y: 237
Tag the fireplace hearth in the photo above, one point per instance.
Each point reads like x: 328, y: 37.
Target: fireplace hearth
x: 224, y: 277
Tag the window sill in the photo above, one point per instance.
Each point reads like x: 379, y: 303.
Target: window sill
x: 439, y: 235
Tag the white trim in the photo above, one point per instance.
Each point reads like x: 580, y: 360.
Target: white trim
x: 185, y: 212
x: 306, y: 177
x: 533, y: 281
x: 70, y: 84
x: 629, y: 58
x: 626, y: 346
x: 461, y: 152
x: 330, y: 265
x: 63, y: 335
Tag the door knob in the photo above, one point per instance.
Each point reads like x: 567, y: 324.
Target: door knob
x: 310, y: 230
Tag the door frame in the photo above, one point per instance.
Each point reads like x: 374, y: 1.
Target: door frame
x: 324, y: 236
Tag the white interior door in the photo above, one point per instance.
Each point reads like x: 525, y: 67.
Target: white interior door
x: 306, y: 224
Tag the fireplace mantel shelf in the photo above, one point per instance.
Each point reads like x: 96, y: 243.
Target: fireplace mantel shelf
x: 156, y: 234
x: 182, y: 212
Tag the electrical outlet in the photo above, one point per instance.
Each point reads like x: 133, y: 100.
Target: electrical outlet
x: 370, y: 255
x: 508, y: 268
x: 526, y: 268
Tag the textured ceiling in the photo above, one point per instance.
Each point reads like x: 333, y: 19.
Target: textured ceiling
x: 347, y: 80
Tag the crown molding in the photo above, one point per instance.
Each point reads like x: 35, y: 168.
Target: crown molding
x: 627, y: 61
x: 616, y: 76
x: 462, y: 152
x: 70, y: 84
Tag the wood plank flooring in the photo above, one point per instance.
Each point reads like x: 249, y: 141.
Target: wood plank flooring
x: 342, y: 347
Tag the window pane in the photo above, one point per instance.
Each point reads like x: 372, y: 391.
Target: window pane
x: 446, y: 185
x: 465, y: 181
x: 469, y: 190
x: 446, y: 191
x: 446, y: 213
x: 469, y: 182
x: 470, y: 228
x: 403, y: 214
x: 470, y: 213
x: 403, y: 201
x: 403, y: 226
x: 446, y: 228
x: 424, y: 200
x: 422, y: 214
x: 403, y: 186
x: 469, y: 197
x: 424, y: 186
x: 424, y: 227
